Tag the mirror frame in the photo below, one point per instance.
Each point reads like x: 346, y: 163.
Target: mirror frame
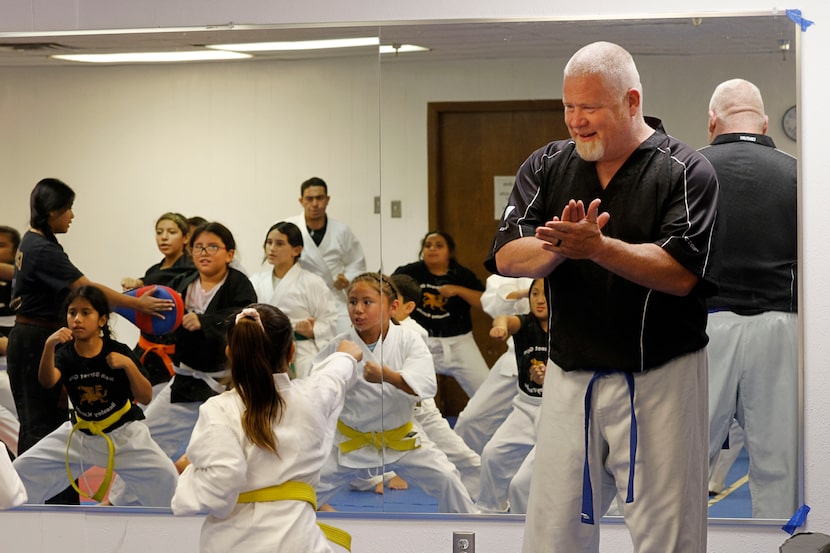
x: 381, y: 228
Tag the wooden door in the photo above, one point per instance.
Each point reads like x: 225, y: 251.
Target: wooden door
x: 470, y: 143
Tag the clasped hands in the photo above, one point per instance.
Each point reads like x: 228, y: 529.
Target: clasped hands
x: 576, y: 234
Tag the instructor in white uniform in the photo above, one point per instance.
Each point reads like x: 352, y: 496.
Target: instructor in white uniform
x: 330, y: 250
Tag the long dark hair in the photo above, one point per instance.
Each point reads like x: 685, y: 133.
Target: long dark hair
x: 292, y: 234
x: 47, y: 196
x: 256, y: 353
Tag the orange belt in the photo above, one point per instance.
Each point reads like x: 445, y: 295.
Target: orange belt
x: 163, y: 351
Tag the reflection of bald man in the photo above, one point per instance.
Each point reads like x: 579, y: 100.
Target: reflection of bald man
x: 753, y: 348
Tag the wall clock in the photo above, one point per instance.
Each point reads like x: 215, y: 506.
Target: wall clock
x: 788, y: 123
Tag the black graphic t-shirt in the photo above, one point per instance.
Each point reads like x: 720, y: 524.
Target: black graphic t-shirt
x: 96, y: 389
x: 531, y: 342
x: 442, y: 317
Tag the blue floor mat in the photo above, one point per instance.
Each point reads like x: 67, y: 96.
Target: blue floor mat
x: 415, y: 500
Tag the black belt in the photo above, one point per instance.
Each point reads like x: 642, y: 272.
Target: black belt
x: 34, y: 321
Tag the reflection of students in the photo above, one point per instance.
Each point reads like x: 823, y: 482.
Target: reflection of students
x: 300, y: 294
x: 397, y: 372
x: 103, y: 380
x: 209, y: 295
x: 753, y: 347
x: 330, y: 248
x: 262, y: 437
x: 492, y: 402
x: 514, y: 439
x: 44, y: 276
x: 427, y: 414
x: 448, y: 291
x: 172, y: 233
x: 9, y: 426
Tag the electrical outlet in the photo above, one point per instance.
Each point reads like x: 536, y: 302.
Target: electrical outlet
x: 463, y: 542
x: 377, y: 205
x: 396, y: 209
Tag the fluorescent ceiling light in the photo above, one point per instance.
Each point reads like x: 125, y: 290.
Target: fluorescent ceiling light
x: 152, y: 57
x: 298, y: 45
x: 399, y: 48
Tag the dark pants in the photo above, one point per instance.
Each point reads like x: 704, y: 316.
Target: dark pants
x: 39, y: 410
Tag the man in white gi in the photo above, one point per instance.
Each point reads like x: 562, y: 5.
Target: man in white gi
x: 330, y: 248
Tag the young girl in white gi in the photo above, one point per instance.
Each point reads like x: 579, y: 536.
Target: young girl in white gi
x: 266, y: 436
x: 102, y: 378
x: 448, y: 290
x: 303, y: 296
x: 507, y: 449
x: 376, y: 428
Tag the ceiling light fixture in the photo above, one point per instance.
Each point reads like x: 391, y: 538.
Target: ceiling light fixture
x: 298, y: 45
x: 400, y: 48
x: 153, y: 57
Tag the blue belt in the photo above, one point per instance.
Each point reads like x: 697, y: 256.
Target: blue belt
x: 587, y: 491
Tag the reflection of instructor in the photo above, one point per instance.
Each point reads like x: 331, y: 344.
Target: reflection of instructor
x: 625, y: 386
x: 330, y: 249
x: 753, y: 348
x: 43, y: 277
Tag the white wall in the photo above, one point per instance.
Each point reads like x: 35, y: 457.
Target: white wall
x: 418, y: 536
x: 233, y: 141
x: 229, y: 142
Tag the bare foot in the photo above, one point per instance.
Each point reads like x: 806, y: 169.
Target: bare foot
x: 327, y: 508
x: 398, y: 483
x: 379, y: 488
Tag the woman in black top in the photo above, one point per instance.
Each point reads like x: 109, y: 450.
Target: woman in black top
x: 43, y: 278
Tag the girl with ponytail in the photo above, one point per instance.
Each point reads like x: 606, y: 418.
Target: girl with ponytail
x: 257, y: 450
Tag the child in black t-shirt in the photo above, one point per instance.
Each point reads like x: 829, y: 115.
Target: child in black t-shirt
x: 103, y: 380
x: 512, y: 442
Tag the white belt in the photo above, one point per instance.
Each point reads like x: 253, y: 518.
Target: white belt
x: 207, y: 378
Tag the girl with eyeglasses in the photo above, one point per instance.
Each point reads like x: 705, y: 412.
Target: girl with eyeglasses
x: 210, y: 295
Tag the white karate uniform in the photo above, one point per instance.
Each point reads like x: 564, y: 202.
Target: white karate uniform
x: 339, y: 252
x: 12, y: 491
x: 491, y: 403
x: 519, y: 489
x: 9, y: 425
x: 374, y: 407
x: 301, y: 294
x: 225, y: 463
x: 506, y: 451
x: 438, y: 429
x: 146, y: 472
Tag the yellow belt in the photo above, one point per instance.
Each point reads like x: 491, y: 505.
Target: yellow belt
x: 394, y: 439
x: 299, y: 491
x: 97, y: 428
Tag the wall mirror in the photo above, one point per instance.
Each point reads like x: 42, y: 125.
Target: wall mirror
x: 473, y: 68
x: 233, y: 140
